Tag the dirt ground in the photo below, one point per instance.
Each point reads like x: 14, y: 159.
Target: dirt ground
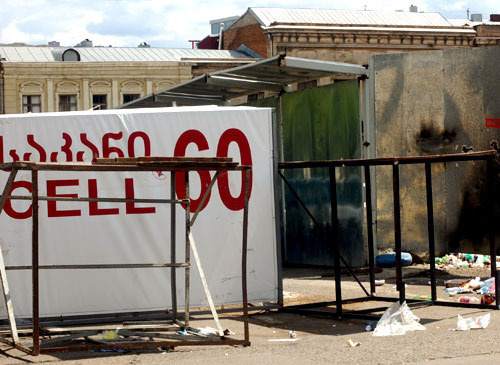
x: 324, y: 340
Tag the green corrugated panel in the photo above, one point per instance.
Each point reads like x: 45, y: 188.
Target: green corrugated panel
x: 320, y: 124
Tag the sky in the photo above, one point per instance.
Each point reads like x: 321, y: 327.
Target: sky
x: 171, y: 23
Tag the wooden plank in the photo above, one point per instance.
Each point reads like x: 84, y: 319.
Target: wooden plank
x: 6, y: 190
x: 204, y: 198
x: 3, y: 272
x: 152, y: 335
x: 8, y: 301
x: 73, y: 336
x: 205, y: 285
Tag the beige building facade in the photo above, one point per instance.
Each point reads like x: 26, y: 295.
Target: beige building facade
x: 45, y: 79
x: 352, y: 36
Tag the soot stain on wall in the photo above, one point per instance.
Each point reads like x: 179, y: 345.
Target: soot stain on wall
x: 431, y: 139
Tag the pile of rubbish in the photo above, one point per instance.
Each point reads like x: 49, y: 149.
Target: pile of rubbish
x: 463, y: 260
x: 485, y: 288
x: 398, y: 319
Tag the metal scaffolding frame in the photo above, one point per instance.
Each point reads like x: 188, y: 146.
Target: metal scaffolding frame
x: 276, y: 74
x: 334, y: 238
x: 139, y: 337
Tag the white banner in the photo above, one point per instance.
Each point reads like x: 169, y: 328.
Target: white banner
x: 118, y: 233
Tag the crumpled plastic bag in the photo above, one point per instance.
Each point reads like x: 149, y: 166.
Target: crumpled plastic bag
x: 110, y: 335
x: 397, y: 320
x: 465, y: 324
x: 207, y: 331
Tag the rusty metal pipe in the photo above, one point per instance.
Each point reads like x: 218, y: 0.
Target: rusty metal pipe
x: 369, y: 228
x: 173, y: 255
x: 34, y: 264
x: 335, y: 239
x: 187, y: 260
x: 430, y: 229
x: 397, y: 232
x: 244, y: 250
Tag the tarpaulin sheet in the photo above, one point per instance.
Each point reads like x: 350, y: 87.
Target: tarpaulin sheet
x: 117, y: 233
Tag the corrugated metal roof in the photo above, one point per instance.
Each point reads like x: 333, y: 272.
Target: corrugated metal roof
x: 117, y: 54
x: 268, y: 16
x: 26, y: 54
x: 463, y: 22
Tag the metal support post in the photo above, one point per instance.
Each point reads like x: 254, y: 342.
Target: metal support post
x: 180, y: 166
x: 34, y: 264
x: 400, y: 285
x: 244, y: 249
x: 369, y: 228
x: 430, y: 229
x: 308, y: 212
x: 335, y: 238
x: 173, y: 258
x: 188, y: 252
x: 491, y: 228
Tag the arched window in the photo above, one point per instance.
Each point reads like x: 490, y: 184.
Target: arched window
x: 71, y: 55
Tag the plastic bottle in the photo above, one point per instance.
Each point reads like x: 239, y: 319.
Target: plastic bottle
x: 466, y: 299
x: 487, y: 286
x: 422, y: 297
x: 452, y: 291
x: 487, y: 299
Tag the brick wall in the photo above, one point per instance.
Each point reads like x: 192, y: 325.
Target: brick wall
x: 251, y: 36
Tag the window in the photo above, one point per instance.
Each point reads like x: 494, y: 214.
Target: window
x: 71, y: 55
x: 32, y: 104
x: 127, y: 98
x: 67, y: 103
x: 99, y: 102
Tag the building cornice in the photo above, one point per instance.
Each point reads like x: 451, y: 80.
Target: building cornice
x: 378, y: 30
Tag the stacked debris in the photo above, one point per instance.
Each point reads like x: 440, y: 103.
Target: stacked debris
x: 463, y: 260
x: 483, y: 288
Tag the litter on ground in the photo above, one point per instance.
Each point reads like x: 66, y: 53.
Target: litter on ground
x: 466, y: 324
x: 397, y: 320
x: 352, y: 343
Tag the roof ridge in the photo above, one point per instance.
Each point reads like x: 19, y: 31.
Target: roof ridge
x: 268, y: 15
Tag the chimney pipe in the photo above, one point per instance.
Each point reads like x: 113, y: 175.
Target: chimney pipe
x: 221, y: 34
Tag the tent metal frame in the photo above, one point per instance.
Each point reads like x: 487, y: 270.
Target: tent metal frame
x: 137, y: 337
x: 334, y: 237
